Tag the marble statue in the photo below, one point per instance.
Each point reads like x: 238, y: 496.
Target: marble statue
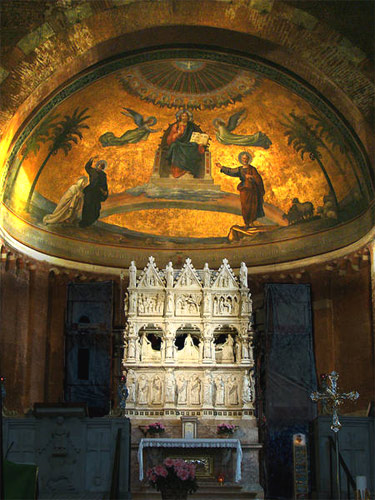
x: 138, y: 349
x: 169, y: 303
x: 206, y: 276
x: 182, y: 386
x: 170, y: 387
x: 233, y: 398
x: 143, y: 390
x: 189, y: 352
x: 243, y: 275
x: 156, y: 391
x: 220, y: 391
x: 132, y: 348
x: 238, y: 349
x: 224, y: 352
x: 208, y: 389
x: 195, y: 391
x: 245, y: 347
x: 133, y: 302
x: 169, y: 346
x: 246, y: 389
x: 147, y: 351
x: 131, y: 384
x: 169, y: 274
x: 207, y: 348
x: 132, y: 274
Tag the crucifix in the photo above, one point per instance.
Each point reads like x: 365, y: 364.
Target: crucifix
x: 332, y: 399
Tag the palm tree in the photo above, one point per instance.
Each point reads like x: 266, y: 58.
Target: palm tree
x: 305, y: 139
x: 336, y: 140
x: 32, y: 145
x: 65, y: 132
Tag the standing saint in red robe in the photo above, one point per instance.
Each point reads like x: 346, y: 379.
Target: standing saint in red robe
x: 251, y: 188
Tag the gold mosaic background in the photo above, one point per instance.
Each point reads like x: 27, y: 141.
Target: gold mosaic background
x: 284, y: 173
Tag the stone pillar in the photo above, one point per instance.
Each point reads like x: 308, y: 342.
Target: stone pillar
x: 170, y: 336
x: 131, y: 338
x: 244, y: 336
x: 169, y: 306
x: 132, y: 303
x: 208, y: 355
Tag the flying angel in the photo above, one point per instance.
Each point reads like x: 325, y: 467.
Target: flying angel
x: 133, y: 136
x: 225, y: 136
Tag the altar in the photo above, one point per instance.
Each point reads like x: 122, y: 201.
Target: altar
x: 189, y: 365
x: 192, y: 444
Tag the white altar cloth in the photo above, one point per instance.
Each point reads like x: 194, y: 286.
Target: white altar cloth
x: 191, y: 443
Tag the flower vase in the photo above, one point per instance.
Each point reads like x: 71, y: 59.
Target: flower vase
x: 225, y: 435
x: 154, y: 434
x: 172, y: 494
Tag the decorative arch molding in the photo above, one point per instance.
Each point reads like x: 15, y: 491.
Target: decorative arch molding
x: 85, y: 37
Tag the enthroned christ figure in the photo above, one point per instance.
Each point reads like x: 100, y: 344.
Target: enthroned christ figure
x: 183, y: 156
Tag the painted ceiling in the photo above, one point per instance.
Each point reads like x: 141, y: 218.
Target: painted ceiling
x: 313, y: 171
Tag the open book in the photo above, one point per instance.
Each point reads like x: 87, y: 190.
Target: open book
x: 199, y: 138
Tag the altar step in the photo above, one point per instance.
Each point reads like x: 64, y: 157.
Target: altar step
x: 206, y: 492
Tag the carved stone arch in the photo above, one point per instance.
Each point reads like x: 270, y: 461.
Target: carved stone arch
x: 195, y: 328
x: 147, y: 328
x: 234, y: 327
x: 226, y: 329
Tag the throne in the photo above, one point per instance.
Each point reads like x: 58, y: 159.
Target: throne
x: 161, y: 174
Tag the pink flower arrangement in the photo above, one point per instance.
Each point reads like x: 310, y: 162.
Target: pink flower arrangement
x: 174, y: 474
x: 155, y: 428
x: 226, y: 428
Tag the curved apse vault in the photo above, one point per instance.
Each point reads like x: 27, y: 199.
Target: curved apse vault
x: 315, y: 175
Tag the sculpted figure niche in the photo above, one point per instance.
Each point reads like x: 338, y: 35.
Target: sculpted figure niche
x: 224, y: 352
x: 220, y: 391
x: 195, y: 391
x: 190, y: 352
x: 182, y: 386
x: 170, y: 386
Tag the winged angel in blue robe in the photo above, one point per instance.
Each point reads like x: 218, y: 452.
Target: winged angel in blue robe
x: 133, y: 136
x: 225, y: 136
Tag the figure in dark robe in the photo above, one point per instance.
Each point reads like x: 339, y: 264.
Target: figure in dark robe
x: 251, y: 188
x: 183, y: 156
x: 94, y: 193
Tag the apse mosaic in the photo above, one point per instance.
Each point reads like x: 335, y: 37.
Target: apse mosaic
x: 185, y: 147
